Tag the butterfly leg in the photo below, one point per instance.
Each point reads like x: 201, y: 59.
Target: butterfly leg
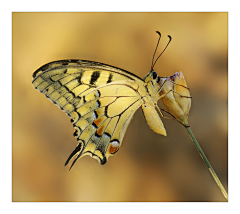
x: 172, y: 89
x: 181, y: 95
x: 179, y: 85
x: 162, y: 115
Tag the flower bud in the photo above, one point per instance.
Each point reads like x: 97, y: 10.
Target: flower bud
x: 177, y: 101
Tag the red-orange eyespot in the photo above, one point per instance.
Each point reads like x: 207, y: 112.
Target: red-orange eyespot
x: 114, y: 145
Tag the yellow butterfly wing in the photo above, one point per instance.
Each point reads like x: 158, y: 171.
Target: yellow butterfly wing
x: 100, y: 100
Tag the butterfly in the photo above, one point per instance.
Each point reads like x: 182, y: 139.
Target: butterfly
x: 101, y: 100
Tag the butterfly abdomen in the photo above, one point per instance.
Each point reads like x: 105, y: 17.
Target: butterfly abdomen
x: 153, y: 119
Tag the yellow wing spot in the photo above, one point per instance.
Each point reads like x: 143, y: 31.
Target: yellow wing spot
x: 111, y: 126
x: 72, y: 63
x: 38, y: 81
x: 72, y: 84
x: 42, y: 86
x: 87, y: 133
x: 68, y: 108
x: 69, y: 78
x: 82, y: 124
x: 58, y: 77
x: 55, y: 65
x: 98, y: 155
x: 86, y: 77
x: 80, y: 89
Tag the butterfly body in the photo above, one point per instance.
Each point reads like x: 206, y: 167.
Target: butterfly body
x: 100, y: 100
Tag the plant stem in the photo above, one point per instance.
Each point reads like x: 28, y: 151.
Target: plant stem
x: 214, y: 175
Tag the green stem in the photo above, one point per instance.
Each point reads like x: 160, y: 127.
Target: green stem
x: 207, y: 162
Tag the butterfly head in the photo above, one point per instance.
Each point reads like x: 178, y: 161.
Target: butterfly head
x: 152, y: 76
x: 153, y: 80
x: 156, y: 77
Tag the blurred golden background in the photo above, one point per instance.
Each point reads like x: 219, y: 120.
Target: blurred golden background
x: 148, y: 167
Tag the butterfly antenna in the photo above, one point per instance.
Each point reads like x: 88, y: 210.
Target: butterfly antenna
x: 156, y: 48
x: 170, y: 39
